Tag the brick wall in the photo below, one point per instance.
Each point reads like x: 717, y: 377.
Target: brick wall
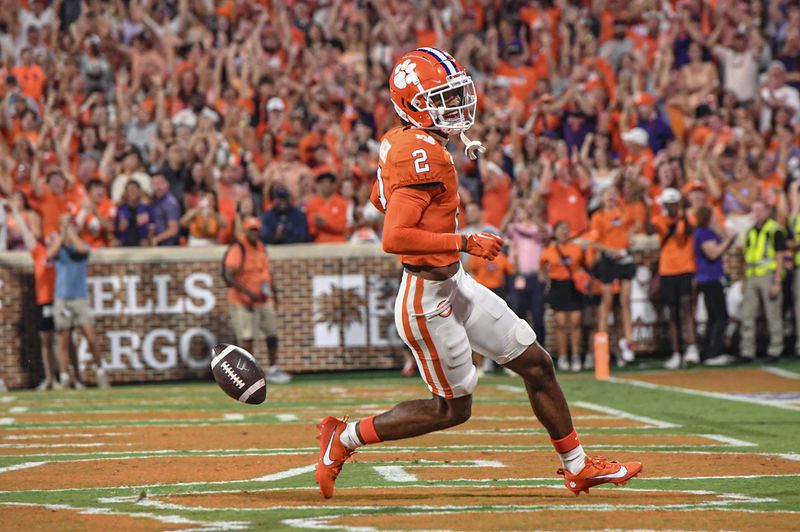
x: 158, y: 310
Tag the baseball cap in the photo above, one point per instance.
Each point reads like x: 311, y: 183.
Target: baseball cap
x: 502, y: 82
x: 670, y: 196
x: 280, y: 191
x: 645, y: 98
x: 251, y: 222
x: 694, y: 184
x: 326, y: 175
x: 636, y: 135
x: 275, y: 104
x: 703, y: 110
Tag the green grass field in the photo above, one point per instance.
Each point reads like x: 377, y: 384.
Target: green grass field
x: 721, y: 450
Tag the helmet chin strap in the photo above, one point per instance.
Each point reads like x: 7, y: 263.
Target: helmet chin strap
x: 472, y: 147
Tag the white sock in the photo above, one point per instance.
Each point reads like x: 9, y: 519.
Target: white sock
x: 574, y: 460
x: 349, y: 436
x: 64, y: 377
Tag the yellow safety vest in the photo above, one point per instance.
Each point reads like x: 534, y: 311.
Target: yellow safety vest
x: 796, y: 238
x: 759, y: 250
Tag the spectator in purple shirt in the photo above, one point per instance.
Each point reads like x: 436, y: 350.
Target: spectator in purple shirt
x: 708, y: 250
x: 133, y: 224
x: 166, y: 213
x: 643, y: 109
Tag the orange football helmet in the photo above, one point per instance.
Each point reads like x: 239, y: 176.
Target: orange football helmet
x: 430, y: 89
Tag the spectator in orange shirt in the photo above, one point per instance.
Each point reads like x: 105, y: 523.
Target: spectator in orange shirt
x: 611, y: 228
x: 521, y: 77
x: 327, y: 211
x: 697, y: 195
x: 44, y: 275
x: 709, y: 125
x: 55, y: 195
x: 205, y: 222
x: 320, y: 134
x: 30, y: 76
x: 676, y: 267
x: 251, y: 295
x: 567, y: 195
x: 96, y: 216
x: 559, y: 262
x: 637, y: 151
x: 26, y: 128
x: 491, y: 274
x: 496, y: 189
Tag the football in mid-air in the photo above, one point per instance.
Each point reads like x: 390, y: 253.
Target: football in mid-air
x: 238, y: 374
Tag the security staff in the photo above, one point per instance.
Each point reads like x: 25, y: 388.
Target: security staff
x: 794, y: 226
x: 764, y: 248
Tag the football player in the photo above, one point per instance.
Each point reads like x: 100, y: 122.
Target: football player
x: 441, y: 313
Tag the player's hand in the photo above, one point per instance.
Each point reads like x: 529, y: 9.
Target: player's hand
x: 484, y: 245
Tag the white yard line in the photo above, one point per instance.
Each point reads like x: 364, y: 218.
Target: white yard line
x: 168, y: 519
x: 17, y: 467
x: 781, y: 372
x: 701, y: 393
x: 289, y: 473
x: 654, y: 423
x: 286, y: 417
x: 58, y: 436
x: 326, y: 522
x: 395, y: 473
x: 51, y: 445
x: 18, y: 409
x: 400, y: 473
x: 6, y: 420
x: 727, y: 440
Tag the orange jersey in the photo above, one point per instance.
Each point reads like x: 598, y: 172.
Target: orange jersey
x: 44, y: 275
x: 491, y: 274
x: 92, y: 231
x: 677, y: 250
x: 253, y: 270
x: 561, y: 261
x: 610, y: 227
x: 411, y: 156
x: 52, y: 206
x: 334, y: 211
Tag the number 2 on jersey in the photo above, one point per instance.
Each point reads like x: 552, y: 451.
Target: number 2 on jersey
x: 420, y: 156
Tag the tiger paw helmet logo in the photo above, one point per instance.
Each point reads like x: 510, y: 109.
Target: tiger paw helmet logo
x: 404, y: 74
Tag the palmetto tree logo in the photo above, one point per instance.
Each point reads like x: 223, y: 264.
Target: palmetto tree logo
x: 340, y: 307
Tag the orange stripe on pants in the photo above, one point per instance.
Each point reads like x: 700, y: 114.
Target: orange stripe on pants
x: 426, y: 337
x: 410, y: 336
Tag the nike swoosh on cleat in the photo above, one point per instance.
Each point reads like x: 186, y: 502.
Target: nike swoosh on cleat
x: 619, y: 474
x: 326, y: 458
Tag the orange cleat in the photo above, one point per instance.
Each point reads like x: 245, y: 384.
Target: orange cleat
x: 332, y: 454
x: 598, y: 471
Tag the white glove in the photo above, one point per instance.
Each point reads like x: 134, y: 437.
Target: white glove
x: 472, y: 147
